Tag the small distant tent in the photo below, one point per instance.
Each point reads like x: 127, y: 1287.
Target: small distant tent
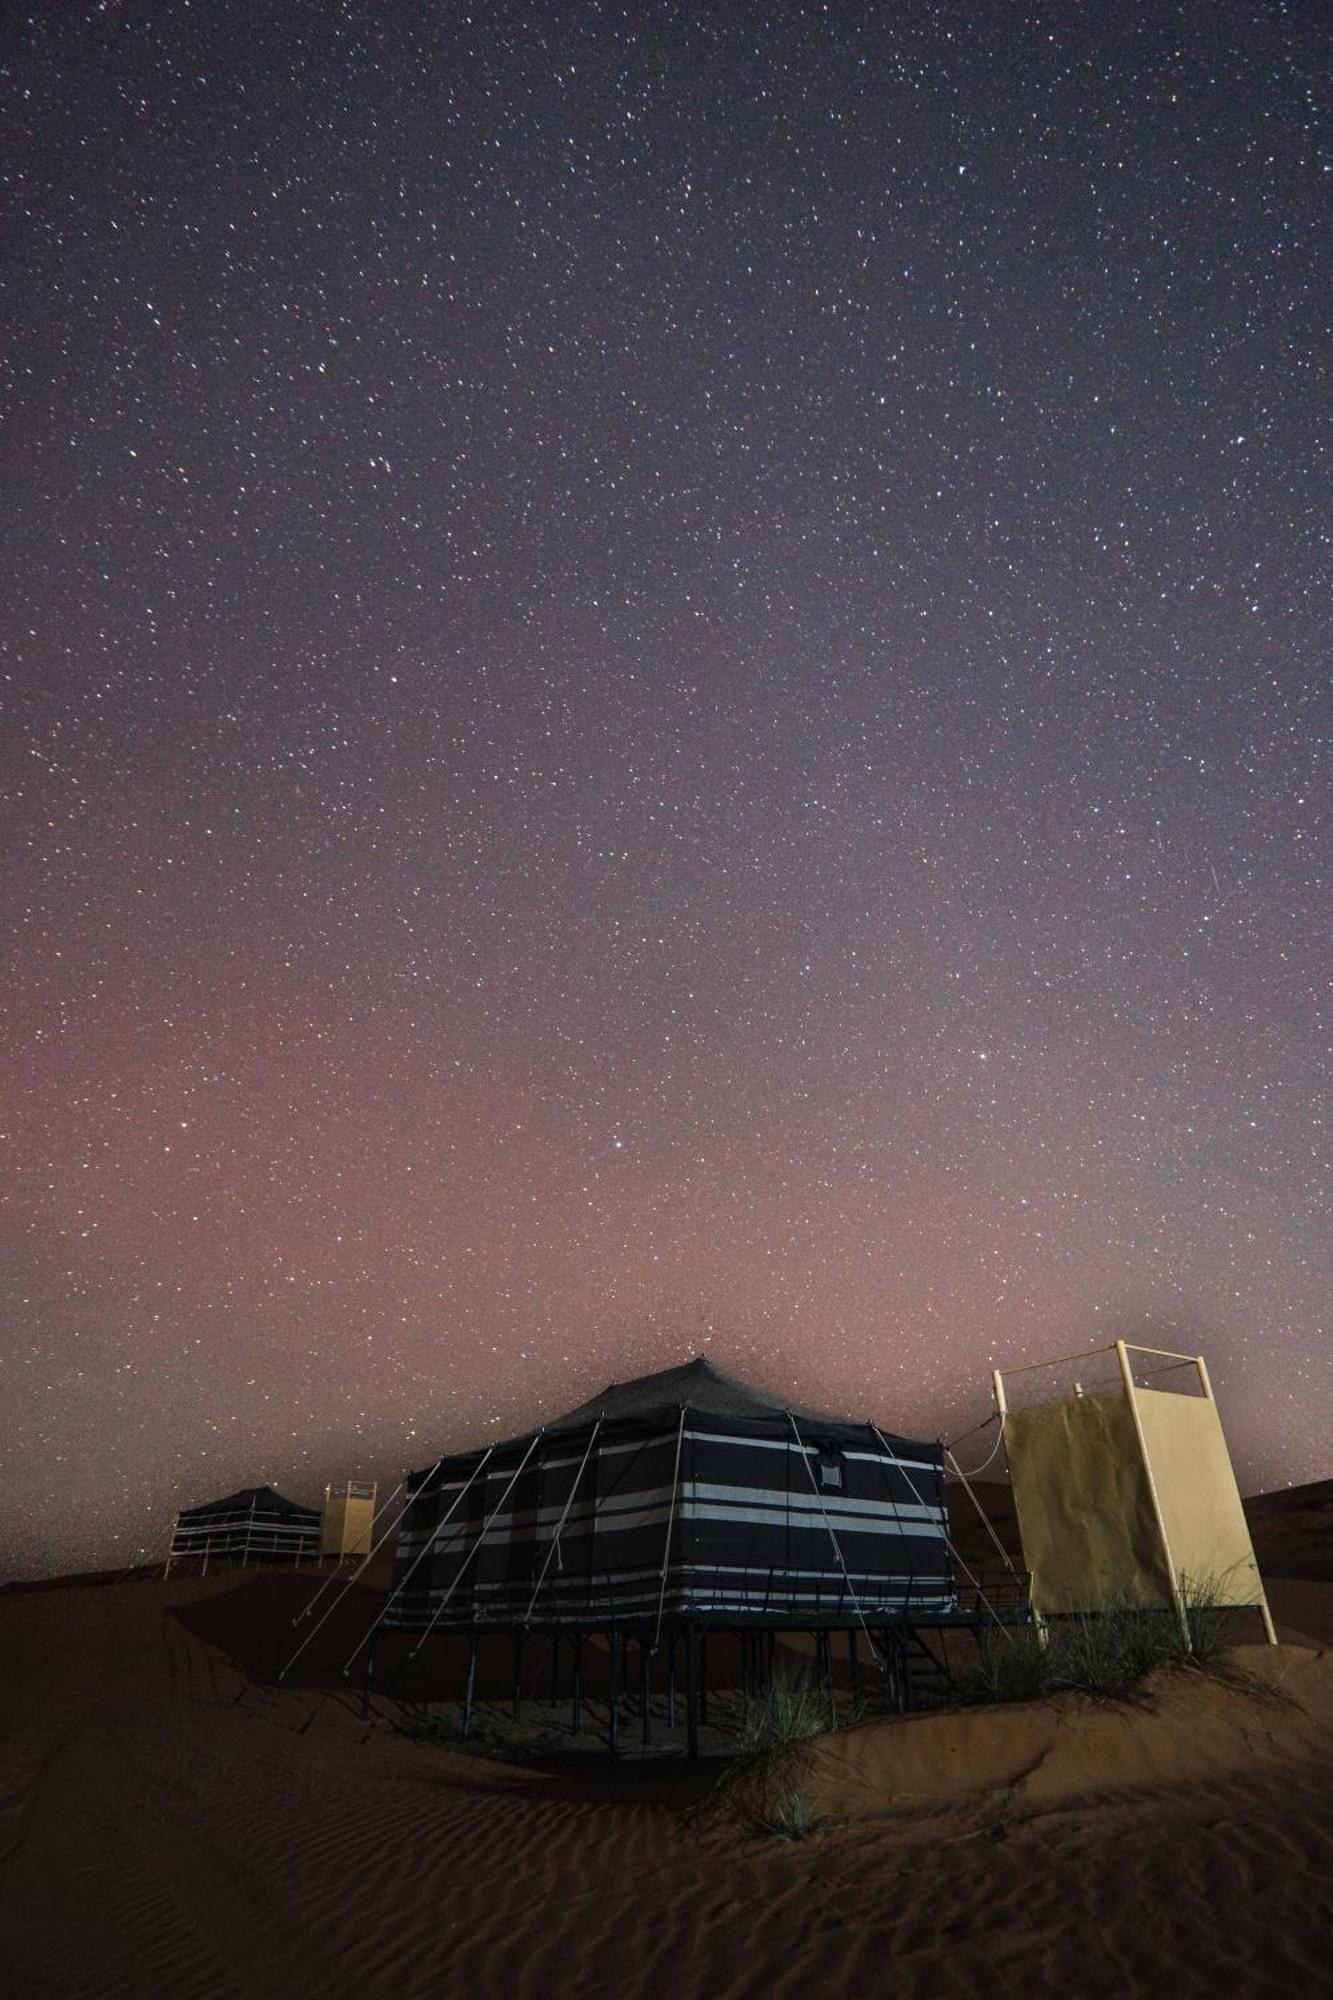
x: 685, y: 1497
x: 255, y: 1525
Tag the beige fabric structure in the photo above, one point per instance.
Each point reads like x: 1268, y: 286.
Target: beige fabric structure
x: 1128, y: 1496
x: 349, y: 1511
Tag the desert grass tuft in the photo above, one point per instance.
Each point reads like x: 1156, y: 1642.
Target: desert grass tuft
x: 791, y: 1709
x: 789, y: 1818
x: 760, y: 1776
x: 1106, y: 1653
x: 1211, y: 1624
x: 1010, y: 1666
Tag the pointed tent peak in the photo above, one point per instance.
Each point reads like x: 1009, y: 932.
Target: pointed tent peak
x: 263, y: 1499
x: 271, y: 1501
x: 696, y: 1385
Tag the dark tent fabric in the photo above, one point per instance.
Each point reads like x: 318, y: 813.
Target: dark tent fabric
x: 684, y: 1495
x: 255, y: 1525
x: 698, y: 1384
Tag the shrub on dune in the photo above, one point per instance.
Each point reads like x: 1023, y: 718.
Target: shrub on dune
x: 1105, y: 1653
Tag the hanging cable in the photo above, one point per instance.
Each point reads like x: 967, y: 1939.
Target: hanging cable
x: 426, y: 1549
x: 671, y: 1516
x: 986, y: 1462
x: 837, y: 1547
x: 555, y: 1539
x: 486, y: 1528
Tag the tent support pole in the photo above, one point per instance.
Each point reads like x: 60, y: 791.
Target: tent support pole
x: 470, y: 1686
x: 854, y: 1663
x: 613, y: 1719
x: 671, y: 1682
x: 365, y: 1684
x: 692, y: 1692
x: 703, y: 1677
x: 645, y: 1693
x: 518, y: 1676
x: 1169, y: 1562
x: 893, y: 1663
x: 577, y: 1715
x: 555, y: 1667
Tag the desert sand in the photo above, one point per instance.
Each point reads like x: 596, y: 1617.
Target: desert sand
x: 174, y: 1824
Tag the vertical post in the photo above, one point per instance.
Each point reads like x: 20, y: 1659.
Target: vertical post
x: 703, y: 1676
x: 692, y: 1692
x: 1269, y: 1628
x: 1173, y: 1580
x: 577, y: 1716
x: 671, y: 1682
x: 854, y: 1663
x: 645, y: 1694
x: 470, y: 1687
x: 518, y: 1675
x: 555, y: 1667
x: 902, y: 1680
x: 826, y: 1650
x: 613, y: 1719
x: 365, y: 1684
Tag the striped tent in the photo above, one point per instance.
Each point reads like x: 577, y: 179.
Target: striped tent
x: 257, y: 1524
x: 686, y: 1496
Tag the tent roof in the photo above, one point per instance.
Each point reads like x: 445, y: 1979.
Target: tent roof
x: 697, y: 1385
x: 265, y: 1500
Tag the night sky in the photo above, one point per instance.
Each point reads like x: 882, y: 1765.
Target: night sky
x: 665, y: 670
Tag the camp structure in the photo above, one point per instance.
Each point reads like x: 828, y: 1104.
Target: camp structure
x: 255, y: 1525
x: 348, y: 1524
x: 1124, y: 1492
x: 667, y: 1507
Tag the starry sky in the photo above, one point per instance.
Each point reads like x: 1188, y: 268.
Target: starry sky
x: 666, y: 669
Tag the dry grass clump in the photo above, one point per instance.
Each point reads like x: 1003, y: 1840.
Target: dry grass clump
x: 762, y: 1780
x: 791, y: 1709
x: 1105, y: 1653
x: 788, y: 1818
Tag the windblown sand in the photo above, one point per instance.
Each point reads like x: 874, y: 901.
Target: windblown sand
x: 172, y: 1826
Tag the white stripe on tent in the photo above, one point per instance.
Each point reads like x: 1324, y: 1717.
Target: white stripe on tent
x: 726, y: 1497
x: 751, y: 1504
x: 869, y: 1576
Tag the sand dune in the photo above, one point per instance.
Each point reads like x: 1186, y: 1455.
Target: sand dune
x: 1274, y: 1709
x: 171, y: 1825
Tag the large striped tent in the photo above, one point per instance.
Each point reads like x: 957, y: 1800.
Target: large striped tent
x: 257, y: 1524
x: 686, y: 1496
